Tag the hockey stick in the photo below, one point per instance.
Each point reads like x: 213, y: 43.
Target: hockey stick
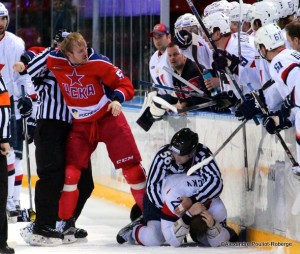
x: 210, y: 158
x: 27, y: 156
x: 228, y: 72
x: 145, y: 83
x: 166, y: 104
x: 186, y: 82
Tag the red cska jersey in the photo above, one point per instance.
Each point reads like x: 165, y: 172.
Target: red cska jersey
x: 89, y: 88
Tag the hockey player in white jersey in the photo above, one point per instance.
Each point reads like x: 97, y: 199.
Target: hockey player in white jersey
x: 176, y: 220
x: 286, y: 10
x: 246, y: 70
x: 173, y: 159
x: 12, y: 47
x: 284, y: 69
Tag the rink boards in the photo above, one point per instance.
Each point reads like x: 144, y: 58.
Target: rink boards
x: 261, y: 201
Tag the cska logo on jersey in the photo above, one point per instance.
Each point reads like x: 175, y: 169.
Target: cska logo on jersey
x: 81, y: 92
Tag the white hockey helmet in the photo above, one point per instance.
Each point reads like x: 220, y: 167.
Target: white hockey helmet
x: 217, y: 19
x: 284, y: 7
x: 270, y: 36
x: 218, y: 6
x: 186, y: 20
x: 177, y: 24
x: 234, y: 14
x: 265, y: 11
x: 4, y: 12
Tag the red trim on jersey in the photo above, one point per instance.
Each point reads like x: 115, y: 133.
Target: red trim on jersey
x: 19, y: 178
x: 165, y: 210
x: 36, y: 50
x: 286, y: 72
x: 227, y: 42
x: 253, y: 64
x: 11, y: 167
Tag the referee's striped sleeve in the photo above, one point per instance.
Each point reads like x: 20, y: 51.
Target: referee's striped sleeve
x: 4, y: 113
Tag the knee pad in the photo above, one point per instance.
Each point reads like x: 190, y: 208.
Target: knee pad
x: 135, y: 176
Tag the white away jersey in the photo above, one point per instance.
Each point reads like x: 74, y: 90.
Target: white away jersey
x: 285, y: 71
x: 158, y: 75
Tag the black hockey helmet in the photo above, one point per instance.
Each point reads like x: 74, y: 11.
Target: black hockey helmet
x: 184, y: 142
x: 60, y: 35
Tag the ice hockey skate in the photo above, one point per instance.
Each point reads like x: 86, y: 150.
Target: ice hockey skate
x: 26, y: 232
x: 125, y: 234
x: 46, y: 236
x: 68, y: 229
x: 12, y: 213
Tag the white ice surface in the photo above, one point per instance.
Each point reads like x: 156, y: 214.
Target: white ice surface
x: 103, y: 219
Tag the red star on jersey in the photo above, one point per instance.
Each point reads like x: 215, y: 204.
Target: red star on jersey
x: 75, y: 79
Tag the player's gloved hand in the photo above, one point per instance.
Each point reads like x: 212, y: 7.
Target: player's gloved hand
x: 25, y: 106
x: 277, y: 121
x: 183, y: 39
x: 31, y: 125
x: 248, y: 108
x: 289, y: 101
x: 225, y: 100
x: 223, y: 59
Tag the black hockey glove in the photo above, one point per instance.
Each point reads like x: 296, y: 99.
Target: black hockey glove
x: 183, y: 39
x: 289, y: 101
x: 249, y: 108
x: 277, y: 121
x: 31, y: 125
x: 25, y: 106
x: 224, y: 100
x: 223, y: 59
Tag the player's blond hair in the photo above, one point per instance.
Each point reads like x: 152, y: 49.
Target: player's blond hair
x: 72, y: 39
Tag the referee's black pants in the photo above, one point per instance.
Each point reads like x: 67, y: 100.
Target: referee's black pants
x: 3, y: 200
x: 50, y: 141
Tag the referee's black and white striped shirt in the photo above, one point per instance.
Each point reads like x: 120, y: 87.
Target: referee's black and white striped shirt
x: 4, y: 114
x: 52, y: 104
x: 164, y: 164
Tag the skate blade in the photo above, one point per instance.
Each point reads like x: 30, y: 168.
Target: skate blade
x: 38, y: 240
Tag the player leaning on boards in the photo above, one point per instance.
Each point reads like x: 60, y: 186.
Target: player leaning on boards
x: 284, y: 69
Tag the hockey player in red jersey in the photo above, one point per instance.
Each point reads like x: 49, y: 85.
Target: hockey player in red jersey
x: 94, y: 89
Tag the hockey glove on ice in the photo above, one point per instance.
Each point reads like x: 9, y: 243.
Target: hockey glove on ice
x: 25, y: 106
x: 183, y: 39
x: 249, y: 108
x: 277, y: 121
x: 223, y: 59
